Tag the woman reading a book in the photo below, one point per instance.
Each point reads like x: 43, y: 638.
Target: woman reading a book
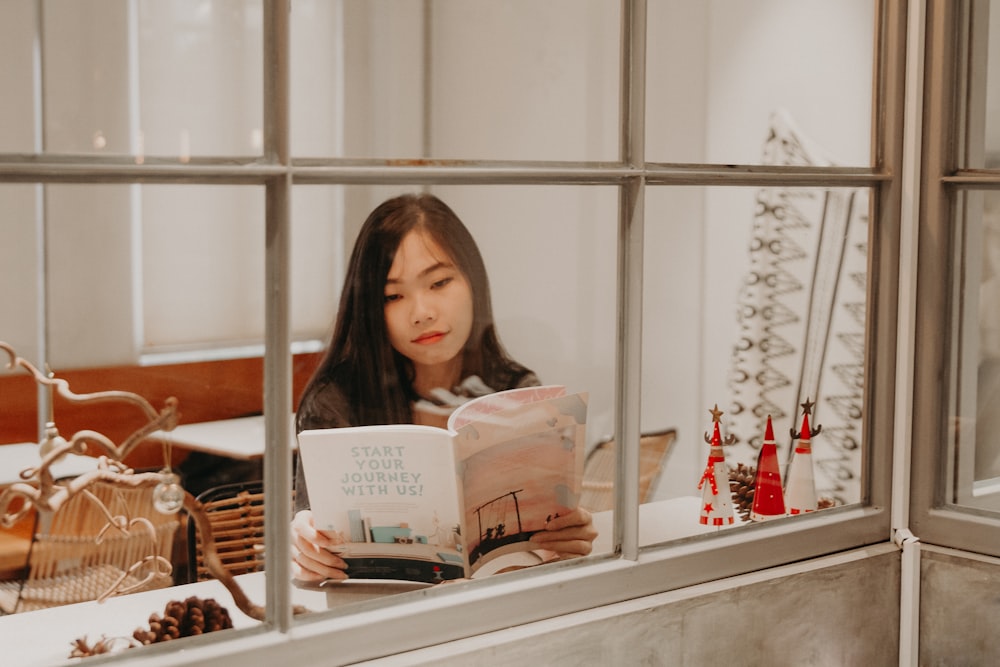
x: 414, y: 336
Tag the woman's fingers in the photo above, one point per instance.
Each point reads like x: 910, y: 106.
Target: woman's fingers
x: 569, y: 535
x: 316, y: 562
x: 312, y: 558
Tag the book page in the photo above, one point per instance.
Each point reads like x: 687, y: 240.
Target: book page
x: 390, y: 492
x: 519, y: 468
x: 480, y: 407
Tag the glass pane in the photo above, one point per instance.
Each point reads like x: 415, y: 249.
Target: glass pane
x: 203, y: 255
x: 549, y: 253
x: 780, y: 326
x: 19, y: 271
x: 180, y: 78
x: 455, y: 79
x: 17, y: 108
x: 719, y: 72
x: 977, y: 380
x: 987, y: 43
x: 127, y: 528
x: 218, y: 282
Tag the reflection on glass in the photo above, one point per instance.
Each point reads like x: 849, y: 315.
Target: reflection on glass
x: 988, y: 392
x: 717, y: 71
x: 977, y: 455
x: 992, y: 93
x: 777, y: 336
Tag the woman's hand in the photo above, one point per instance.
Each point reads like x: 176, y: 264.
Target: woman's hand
x: 314, y: 557
x: 567, y: 536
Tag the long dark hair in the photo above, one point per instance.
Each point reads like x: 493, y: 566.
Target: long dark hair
x: 374, y: 379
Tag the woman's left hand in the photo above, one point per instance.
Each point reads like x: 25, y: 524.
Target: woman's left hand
x: 567, y: 536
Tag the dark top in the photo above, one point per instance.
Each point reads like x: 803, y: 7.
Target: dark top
x: 327, y: 407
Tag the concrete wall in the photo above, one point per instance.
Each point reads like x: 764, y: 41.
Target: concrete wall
x: 834, y: 611
x: 959, y: 608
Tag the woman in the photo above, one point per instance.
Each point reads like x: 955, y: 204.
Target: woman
x: 414, y: 329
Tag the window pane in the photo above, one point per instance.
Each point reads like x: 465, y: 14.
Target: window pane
x: 203, y: 256
x: 550, y: 254
x: 19, y: 270
x: 977, y: 377
x: 984, y: 85
x: 91, y: 291
x: 718, y: 71
x: 17, y: 30
x: 782, y: 324
x: 200, y: 77
x: 993, y: 88
x: 460, y: 80
x: 179, y: 78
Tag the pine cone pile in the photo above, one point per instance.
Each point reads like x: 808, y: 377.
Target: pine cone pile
x: 193, y: 616
x: 741, y: 484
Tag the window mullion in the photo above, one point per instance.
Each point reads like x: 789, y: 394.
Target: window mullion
x: 630, y: 251
x: 277, y: 350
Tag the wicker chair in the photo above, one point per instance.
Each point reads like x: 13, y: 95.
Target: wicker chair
x: 236, y: 514
x: 109, y: 538
x: 599, y: 469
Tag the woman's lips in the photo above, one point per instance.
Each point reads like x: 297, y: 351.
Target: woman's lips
x: 429, y: 338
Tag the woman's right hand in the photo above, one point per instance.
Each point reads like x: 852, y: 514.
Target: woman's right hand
x: 314, y: 557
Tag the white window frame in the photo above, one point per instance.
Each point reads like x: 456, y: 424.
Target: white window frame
x: 941, y: 511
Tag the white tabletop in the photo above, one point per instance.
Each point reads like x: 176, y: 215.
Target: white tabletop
x: 22, y: 455
x: 239, y: 438
x: 45, y: 637
x: 660, y: 521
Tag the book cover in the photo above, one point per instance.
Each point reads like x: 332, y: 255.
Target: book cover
x: 428, y: 504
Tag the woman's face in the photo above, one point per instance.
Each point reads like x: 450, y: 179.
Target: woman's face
x: 428, y: 305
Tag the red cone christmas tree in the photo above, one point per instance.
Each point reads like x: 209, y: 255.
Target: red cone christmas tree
x: 800, y: 490
x: 768, y: 497
x: 716, y: 499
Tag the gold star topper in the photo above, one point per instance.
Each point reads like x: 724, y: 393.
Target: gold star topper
x: 716, y: 413
x: 806, y: 411
x: 717, y: 418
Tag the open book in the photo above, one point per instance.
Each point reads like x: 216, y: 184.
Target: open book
x: 427, y: 504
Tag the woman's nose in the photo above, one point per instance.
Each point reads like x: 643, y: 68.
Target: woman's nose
x: 423, y: 310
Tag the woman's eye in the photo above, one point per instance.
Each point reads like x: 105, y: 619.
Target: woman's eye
x: 441, y: 283
x: 389, y: 298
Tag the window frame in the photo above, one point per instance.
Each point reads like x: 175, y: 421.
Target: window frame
x: 946, y: 184
x: 439, y: 615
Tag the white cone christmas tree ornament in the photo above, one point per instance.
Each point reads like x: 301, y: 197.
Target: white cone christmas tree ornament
x: 716, y: 498
x: 768, y: 497
x: 800, y: 488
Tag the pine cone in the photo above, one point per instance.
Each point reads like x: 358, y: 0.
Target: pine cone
x: 741, y: 484
x: 192, y: 617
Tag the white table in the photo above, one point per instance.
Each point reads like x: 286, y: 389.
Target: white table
x: 22, y: 455
x: 239, y: 438
x: 45, y: 637
x: 660, y: 521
